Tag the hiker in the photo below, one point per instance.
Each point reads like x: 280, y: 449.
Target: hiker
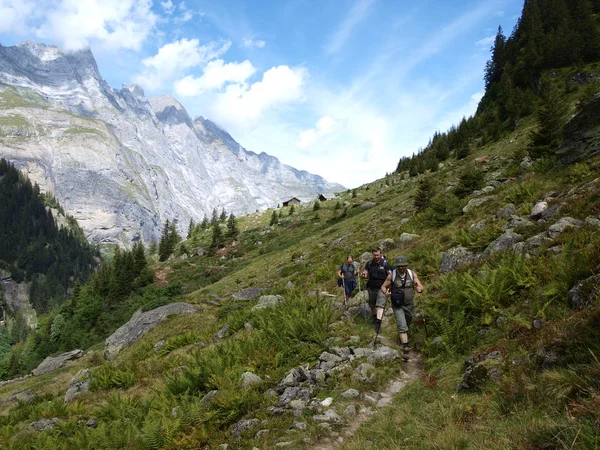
x: 376, y: 270
x: 401, y: 284
x: 346, y: 277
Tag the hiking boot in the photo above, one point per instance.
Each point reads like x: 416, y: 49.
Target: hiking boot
x: 405, y: 350
x: 374, y: 321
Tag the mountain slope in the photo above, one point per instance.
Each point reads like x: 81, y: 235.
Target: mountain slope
x: 120, y: 163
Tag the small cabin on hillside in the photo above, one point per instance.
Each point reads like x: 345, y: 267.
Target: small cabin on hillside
x: 326, y: 196
x: 292, y: 201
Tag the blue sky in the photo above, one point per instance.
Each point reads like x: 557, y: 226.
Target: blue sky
x: 342, y: 88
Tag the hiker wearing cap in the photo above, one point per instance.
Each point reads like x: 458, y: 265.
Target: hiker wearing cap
x: 346, y: 277
x: 401, y: 284
x: 376, y: 270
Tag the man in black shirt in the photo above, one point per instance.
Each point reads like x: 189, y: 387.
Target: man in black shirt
x: 376, y: 271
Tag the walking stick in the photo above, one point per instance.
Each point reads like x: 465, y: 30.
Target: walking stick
x: 344, y: 286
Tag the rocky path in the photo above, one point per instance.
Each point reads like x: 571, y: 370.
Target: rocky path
x: 411, y: 370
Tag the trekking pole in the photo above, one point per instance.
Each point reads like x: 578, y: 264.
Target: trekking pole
x: 344, y: 287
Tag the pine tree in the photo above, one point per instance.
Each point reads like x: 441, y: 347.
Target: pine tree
x: 424, y: 194
x: 174, y: 237
x: 223, y: 216
x: 217, y: 239
x: 190, y: 229
x: 139, y: 258
x: 274, y: 218
x: 317, y: 205
x: 214, y: 218
x: 232, y: 229
x: 495, y: 66
x: 292, y: 210
x: 551, y: 114
x: 205, y: 224
x: 165, y: 247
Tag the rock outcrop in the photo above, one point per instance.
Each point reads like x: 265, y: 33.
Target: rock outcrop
x: 140, y: 323
x: 581, y: 135
x: 56, y: 362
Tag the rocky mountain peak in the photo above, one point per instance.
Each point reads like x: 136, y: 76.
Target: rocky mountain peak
x: 169, y: 111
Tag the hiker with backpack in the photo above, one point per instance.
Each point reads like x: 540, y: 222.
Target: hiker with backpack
x: 377, y: 271
x: 401, y: 285
x: 346, y: 277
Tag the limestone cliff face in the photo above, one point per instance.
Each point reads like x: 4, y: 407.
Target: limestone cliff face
x: 121, y: 163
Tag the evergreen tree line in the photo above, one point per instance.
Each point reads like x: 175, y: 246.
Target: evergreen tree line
x: 550, y: 34
x: 90, y: 314
x: 33, y: 247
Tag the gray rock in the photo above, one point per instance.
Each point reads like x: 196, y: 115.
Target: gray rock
x: 42, y: 425
x: 551, y: 212
x: 140, y: 323
x: 362, y: 310
x: 584, y: 292
x: 268, y: 301
x: 79, y: 384
x: 532, y: 245
x: 52, y: 363
x: 329, y: 416
x: 517, y: 223
x: 249, y: 379
x: 26, y: 396
x: 386, y: 244
x: 223, y: 447
x: 526, y: 163
x: 538, y: 209
x: 284, y: 444
x: 438, y: 341
x: 248, y: 293
x: 300, y: 425
x: 364, y: 369
x: 289, y: 285
x: 208, y: 397
x: 293, y: 378
x: 503, y: 243
x: 350, y: 410
x: 350, y: 393
x: 365, y: 257
x: 475, y: 203
x: 368, y: 205
x: 477, y: 226
x: 362, y: 352
x: 506, y: 211
x: 297, y: 404
x: 92, y: 422
x: 295, y: 393
x: 242, y: 426
x: 248, y: 326
x: 329, y: 361
x: 384, y: 354
x: 562, y: 225
x: 407, y: 237
x: 159, y: 345
x: 592, y: 221
x: 342, y: 352
x: 222, y: 333
x: 456, y: 257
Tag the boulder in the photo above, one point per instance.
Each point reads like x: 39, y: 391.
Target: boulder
x: 552, y: 211
x: 222, y: 333
x: 350, y: 393
x: 517, y: 223
x: 56, y: 362
x: 562, y: 225
x: 384, y: 354
x: 365, y: 257
x: 79, y: 384
x: 581, y: 134
x: 592, y: 221
x: 289, y: 285
x: 386, y: 244
x: 26, y: 396
x: 584, y: 292
x: 477, y: 226
x: 350, y: 410
x: 208, y: 397
x: 407, y: 237
x: 503, y: 243
x: 42, y: 425
x: 248, y: 293
x: 538, y: 209
x: 361, y: 352
x: 328, y: 361
x: 295, y: 393
x: 475, y: 203
x: 362, y: 310
x: 248, y: 379
x: 329, y: 416
x: 533, y: 245
x: 456, y: 257
x: 140, y: 323
x: 368, y: 205
x: 526, y: 163
x: 268, y: 301
x: 242, y: 426
x: 506, y: 211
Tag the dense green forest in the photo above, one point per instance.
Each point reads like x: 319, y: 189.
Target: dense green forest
x: 551, y: 34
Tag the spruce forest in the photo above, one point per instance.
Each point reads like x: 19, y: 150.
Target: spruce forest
x: 249, y: 343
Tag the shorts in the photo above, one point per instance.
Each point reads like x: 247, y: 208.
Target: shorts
x: 377, y: 299
x: 349, y: 286
x: 404, y: 315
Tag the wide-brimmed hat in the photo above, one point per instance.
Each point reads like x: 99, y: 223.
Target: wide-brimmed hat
x: 401, y: 261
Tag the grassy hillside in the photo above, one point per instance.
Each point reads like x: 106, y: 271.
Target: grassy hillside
x: 535, y: 381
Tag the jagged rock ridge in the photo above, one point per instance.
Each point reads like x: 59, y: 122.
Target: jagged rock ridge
x: 121, y: 163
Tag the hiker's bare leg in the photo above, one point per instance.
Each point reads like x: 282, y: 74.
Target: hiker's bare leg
x: 403, y: 338
x: 379, y: 313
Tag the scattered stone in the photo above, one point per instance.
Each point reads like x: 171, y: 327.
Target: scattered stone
x: 259, y: 433
x: 249, y: 379
x: 79, y: 384
x: 52, y: 363
x: 92, y: 422
x: 289, y: 285
x: 268, y: 301
x: 361, y: 352
x: 475, y: 203
x: 368, y: 205
x: 506, y: 211
x: 297, y: 404
x: 386, y: 244
x: 242, y: 426
x: 407, y: 237
x: 222, y: 333
x: 370, y: 399
x: 208, y: 397
x: 327, y: 402
x: 538, y: 209
x: 537, y: 324
x: 248, y: 326
x: 584, y: 292
x: 526, y: 163
x: 532, y: 245
x: 300, y: 425
x: 551, y: 212
x: 592, y: 221
x: 42, y: 425
x: 477, y: 226
x: 223, y: 447
x: 294, y: 393
x: 365, y: 372
x: 140, y: 323
x: 159, y: 345
x: 384, y: 354
x: 329, y: 361
x: 517, y: 223
x: 562, y: 225
x: 324, y: 427
x: 248, y: 293
x: 503, y: 243
x: 350, y: 393
x: 438, y: 341
x: 455, y: 257
x: 284, y: 444
x: 329, y: 416
x: 350, y: 410
x: 26, y: 396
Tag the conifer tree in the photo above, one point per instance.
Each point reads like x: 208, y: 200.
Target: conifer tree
x: 205, y: 224
x: 214, y: 218
x: 494, y: 67
x: 551, y: 114
x: 174, y: 237
x: 274, y: 218
x: 164, y: 245
x: 139, y: 258
x: 232, y: 229
x: 424, y: 194
x: 191, y: 227
x: 223, y: 216
x: 217, y: 239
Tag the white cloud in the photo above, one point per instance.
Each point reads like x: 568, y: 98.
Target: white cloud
x: 113, y: 23
x: 174, y: 58
x: 14, y: 15
x: 249, y: 43
x: 324, y: 126
x: 185, y: 17
x: 356, y: 15
x: 216, y: 75
x: 486, y: 42
x: 168, y: 6
x: 240, y: 106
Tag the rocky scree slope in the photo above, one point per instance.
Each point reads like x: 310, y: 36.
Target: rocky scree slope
x: 121, y: 163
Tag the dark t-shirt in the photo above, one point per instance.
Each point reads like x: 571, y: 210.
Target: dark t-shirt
x: 348, y: 271
x: 377, y: 273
